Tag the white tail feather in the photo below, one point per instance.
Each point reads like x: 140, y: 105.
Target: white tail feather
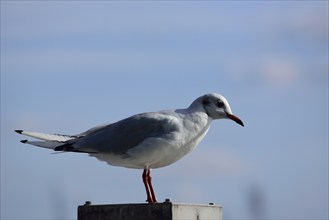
x: 44, y: 144
x: 47, y: 137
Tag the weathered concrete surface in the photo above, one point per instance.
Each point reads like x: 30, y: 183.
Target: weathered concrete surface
x: 144, y: 211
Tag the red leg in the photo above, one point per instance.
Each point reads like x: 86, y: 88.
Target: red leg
x: 146, y: 184
x: 149, y: 179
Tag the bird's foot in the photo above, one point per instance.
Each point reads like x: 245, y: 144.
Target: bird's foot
x: 151, y: 201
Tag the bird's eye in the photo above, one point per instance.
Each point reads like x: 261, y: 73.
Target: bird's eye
x: 220, y: 104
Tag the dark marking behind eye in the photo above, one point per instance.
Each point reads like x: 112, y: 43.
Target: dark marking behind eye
x: 205, y: 101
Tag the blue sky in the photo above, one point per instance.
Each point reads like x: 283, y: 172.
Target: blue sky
x: 69, y: 66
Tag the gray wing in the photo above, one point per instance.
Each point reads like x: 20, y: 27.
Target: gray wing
x: 123, y: 135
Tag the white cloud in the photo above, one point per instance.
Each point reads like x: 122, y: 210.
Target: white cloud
x: 269, y: 69
x: 279, y: 72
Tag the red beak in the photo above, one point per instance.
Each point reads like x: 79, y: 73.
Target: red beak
x: 235, y: 118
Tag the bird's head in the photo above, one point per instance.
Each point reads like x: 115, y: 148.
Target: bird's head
x: 217, y: 107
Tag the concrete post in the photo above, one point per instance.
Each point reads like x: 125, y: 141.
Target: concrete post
x: 144, y: 211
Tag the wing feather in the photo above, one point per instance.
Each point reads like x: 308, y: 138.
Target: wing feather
x: 123, y: 135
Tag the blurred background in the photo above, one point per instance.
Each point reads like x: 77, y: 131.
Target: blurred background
x: 69, y: 66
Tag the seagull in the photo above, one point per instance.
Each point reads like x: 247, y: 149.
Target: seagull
x: 144, y: 141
